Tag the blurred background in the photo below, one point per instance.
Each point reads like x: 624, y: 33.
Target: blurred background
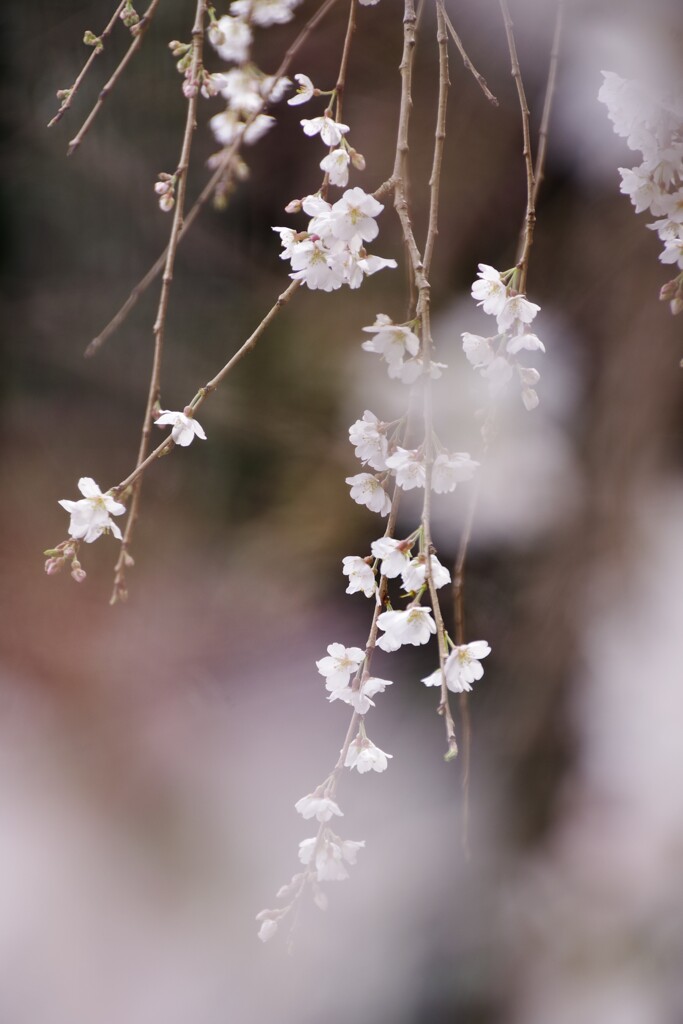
x: 152, y: 752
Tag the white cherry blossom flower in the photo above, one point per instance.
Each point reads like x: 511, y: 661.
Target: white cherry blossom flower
x: 265, y: 12
x: 303, y: 93
x: 336, y: 165
x: 316, y: 265
x: 361, y: 576
x: 185, y: 428
x: 367, y: 490
x: 490, y: 291
x: 364, y: 756
x: 395, y: 555
x: 462, y: 667
x: 330, y: 854
x: 231, y: 37
x: 320, y: 807
x: 354, y: 214
x: 369, y: 437
x: 408, y: 467
x: 393, y: 342
x: 414, y: 574
x: 451, y: 468
x: 339, y: 665
x: 268, y: 926
x: 517, y: 309
x: 412, y: 626
x: 524, y: 341
x: 361, y: 698
x: 498, y: 374
x: 478, y: 350
x: 330, y: 131
x: 91, y: 514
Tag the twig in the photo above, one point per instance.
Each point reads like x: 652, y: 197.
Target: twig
x: 541, y: 152
x: 227, y: 158
x: 96, y: 50
x: 140, y: 30
x: 119, y: 591
x: 344, y: 64
x: 439, y: 137
x: 468, y: 63
x: 530, y: 216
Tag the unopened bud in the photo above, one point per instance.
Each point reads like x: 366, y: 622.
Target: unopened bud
x: 162, y: 187
x: 676, y: 305
x: 90, y: 39
x: 53, y: 566
x: 167, y: 202
x: 668, y: 291
x: 189, y: 89
x: 294, y: 206
x: 357, y: 159
x: 78, y: 574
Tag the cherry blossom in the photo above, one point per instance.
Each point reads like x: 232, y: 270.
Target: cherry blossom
x: 414, y: 575
x: 364, y: 756
x: 339, y: 665
x: 367, y: 490
x: 330, y: 131
x: 395, y: 555
x: 490, y: 291
x: 408, y: 467
x: 360, y: 699
x: 304, y: 92
x: 336, y: 166
x: 462, y: 667
x: 450, y: 469
x: 369, y: 436
x: 394, y: 342
x: 413, y: 626
x: 231, y: 38
x: 185, y: 428
x: 361, y: 576
x: 91, y: 514
x: 320, y: 807
x: 329, y: 854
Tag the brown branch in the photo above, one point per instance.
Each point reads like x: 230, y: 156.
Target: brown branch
x: 530, y: 216
x: 541, y: 152
x: 468, y: 63
x: 206, y: 193
x: 96, y: 51
x: 439, y: 137
x: 123, y: 560
x: 140, y: 30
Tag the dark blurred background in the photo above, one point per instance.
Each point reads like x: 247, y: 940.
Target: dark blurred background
x: 152, y: 751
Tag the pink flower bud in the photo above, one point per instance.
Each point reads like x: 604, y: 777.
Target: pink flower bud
x: 53, y: 566
x: 167, y: 202
x: 294, y: 206
x: 78, y: 574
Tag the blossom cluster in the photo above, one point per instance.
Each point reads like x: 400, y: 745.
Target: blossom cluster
x: 652, y: 126
x: 331, y: 252
x: 496, y: 356
x: 408, y: 466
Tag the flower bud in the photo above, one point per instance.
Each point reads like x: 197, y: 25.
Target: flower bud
x: 78, y: 574
x: 357, y: 159
x: 53, y: 566
x: 294, y: 206
x: 166, y: 203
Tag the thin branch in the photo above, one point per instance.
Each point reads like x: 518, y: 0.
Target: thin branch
x: 541, y: 152
x: 530, y: 216
x: 206, y: 193
x: 344, y: 64
x: 96, y: 51
x: 140, y: 30
x: 123, y: 560
x: 481, y: 81
x: 439, y: 137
